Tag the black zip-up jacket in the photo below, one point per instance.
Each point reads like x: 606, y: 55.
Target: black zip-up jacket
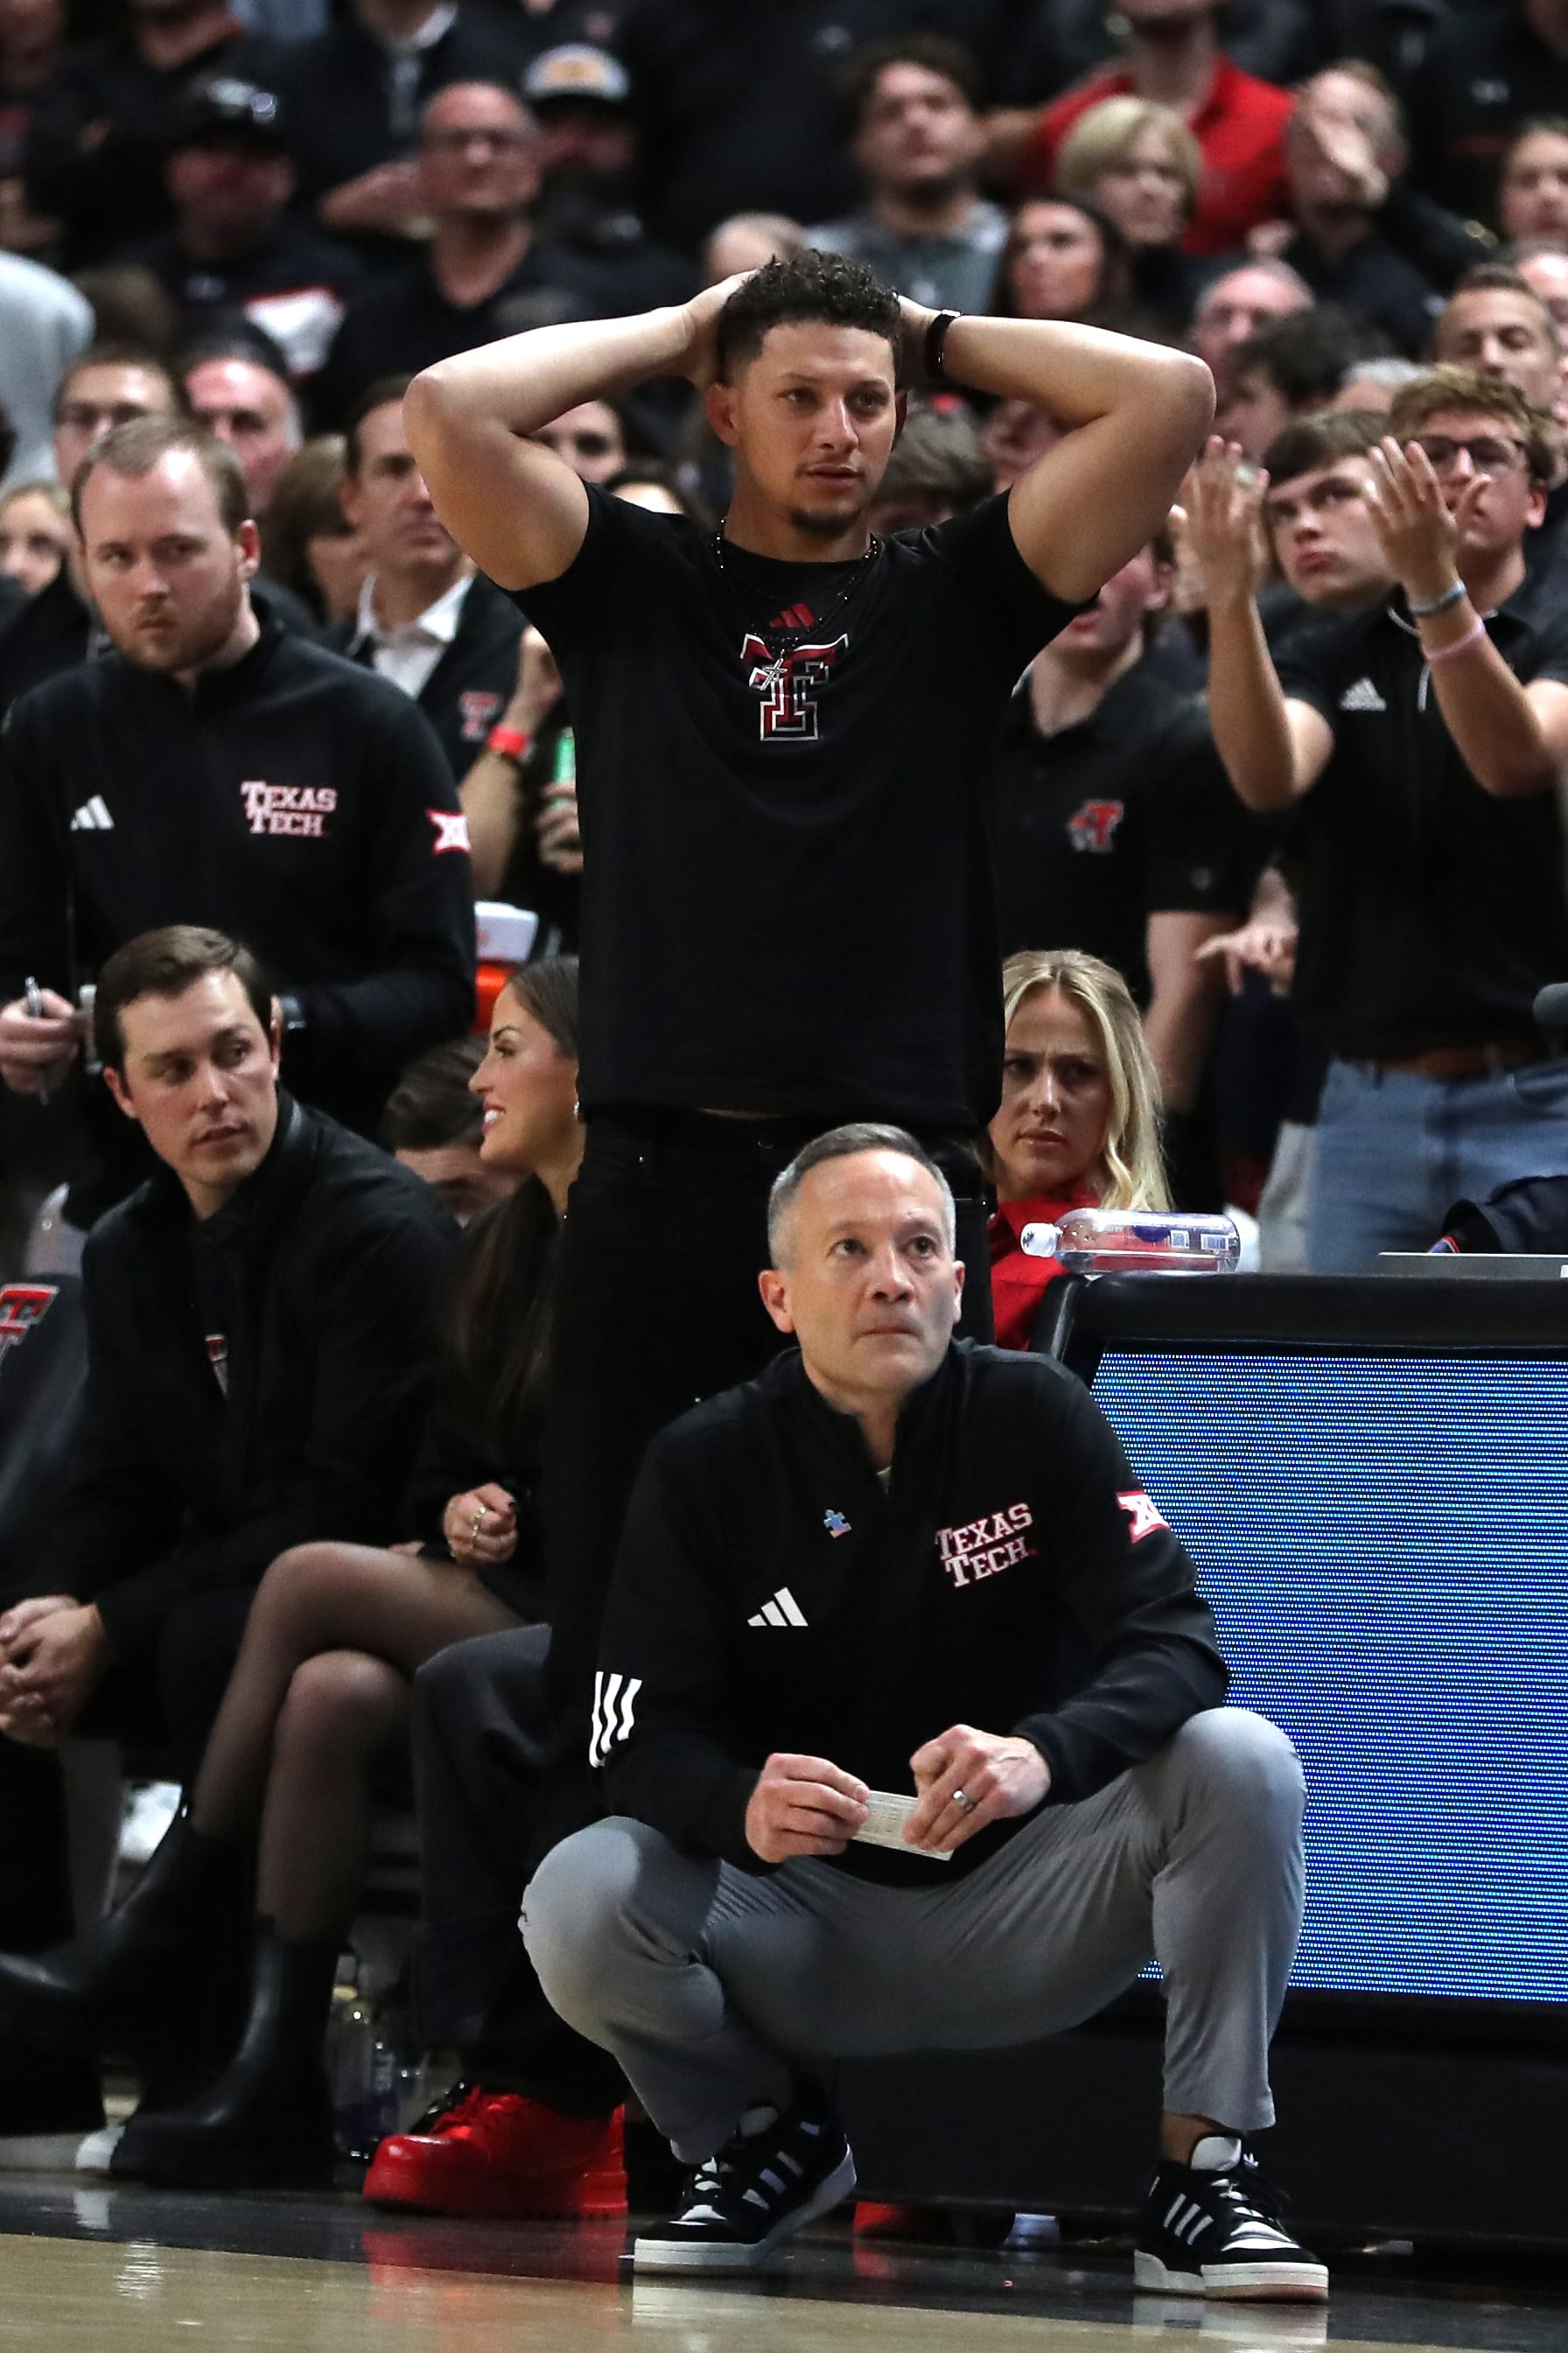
x: 770, y: 1595
x: 324, y: 1276
x: 54, y: 631
x: 290, y: 801
x: 472, y: 684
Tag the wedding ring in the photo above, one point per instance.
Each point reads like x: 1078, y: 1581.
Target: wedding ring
x: 968, y: 1804
x: 477, y: 1522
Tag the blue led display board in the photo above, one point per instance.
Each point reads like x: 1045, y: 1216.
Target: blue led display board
x: 1385, y: 1543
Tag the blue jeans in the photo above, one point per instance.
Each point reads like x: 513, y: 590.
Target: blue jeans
x: 1395, y: 1152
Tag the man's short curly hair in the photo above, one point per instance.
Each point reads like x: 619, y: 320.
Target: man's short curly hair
x: 1443, y: 391
x: 808, y: 287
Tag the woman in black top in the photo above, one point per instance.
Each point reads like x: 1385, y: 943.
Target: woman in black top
x: 319, y: 1692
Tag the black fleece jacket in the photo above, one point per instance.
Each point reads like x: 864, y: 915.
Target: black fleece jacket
x: 292, y: 801
x: 771, y: 1594
x: 323, y: 1275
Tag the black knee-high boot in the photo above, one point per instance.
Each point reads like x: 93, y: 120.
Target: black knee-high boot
x: 266, y: 2122
x: 116, y: 1984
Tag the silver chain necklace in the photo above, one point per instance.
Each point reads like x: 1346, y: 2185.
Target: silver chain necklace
x: 789, y: 640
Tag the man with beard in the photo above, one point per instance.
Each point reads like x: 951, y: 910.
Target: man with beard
x: 217, y: 769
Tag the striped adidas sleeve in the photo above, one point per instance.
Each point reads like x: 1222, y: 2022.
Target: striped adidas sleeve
x: 660, y: 1731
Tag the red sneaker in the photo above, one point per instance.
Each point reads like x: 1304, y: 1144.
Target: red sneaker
x: 918, y: 2222
x: 497, y: 2153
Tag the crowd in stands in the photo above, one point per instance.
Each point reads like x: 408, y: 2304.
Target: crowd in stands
x: 1276, y: 820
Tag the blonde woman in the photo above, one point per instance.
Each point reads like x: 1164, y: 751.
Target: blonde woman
x: 35, y: 533
x: 1079, y: 1126
x: 1141, y: 165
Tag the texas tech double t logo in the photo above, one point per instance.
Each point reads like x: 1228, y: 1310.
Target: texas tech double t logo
x: 789, y: 684
x: 23, y: 1305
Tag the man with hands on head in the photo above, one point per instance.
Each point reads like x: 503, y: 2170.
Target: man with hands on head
x: 783, y: 730
x: 1418, y: 746
x: 902, y: 1575
x: 784, y: 734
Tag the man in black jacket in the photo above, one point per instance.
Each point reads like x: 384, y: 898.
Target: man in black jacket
x: 829, y: 1578
x: 212, y: 768
x: 427, y: 619
x: 261, y: 1327
x: 111, y: 384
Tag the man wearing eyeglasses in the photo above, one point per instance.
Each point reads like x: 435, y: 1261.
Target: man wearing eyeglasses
x: 1417, y: 746
x: 485, y: 272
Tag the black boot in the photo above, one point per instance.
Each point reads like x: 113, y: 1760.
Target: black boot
x: 112, y: 1985
x: 266, y: 2122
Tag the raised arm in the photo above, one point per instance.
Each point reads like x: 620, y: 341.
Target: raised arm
x: 511, y: 502
x: 1513, y: 739
x: 1273, y: 751
x: 1133, y: 415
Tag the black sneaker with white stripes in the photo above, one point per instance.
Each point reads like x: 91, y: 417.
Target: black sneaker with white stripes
x: 1212, y: 2228
x: 763, y: 2186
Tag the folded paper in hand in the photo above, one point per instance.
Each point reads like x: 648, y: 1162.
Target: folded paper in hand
x: 884, y: 1826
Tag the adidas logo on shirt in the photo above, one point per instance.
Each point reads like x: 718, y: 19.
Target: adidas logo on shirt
x: 784, y: 1609
x: 1362, y: 696
x: 93, y: 816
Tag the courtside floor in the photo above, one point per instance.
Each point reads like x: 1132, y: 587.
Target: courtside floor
x: 89, y: 2269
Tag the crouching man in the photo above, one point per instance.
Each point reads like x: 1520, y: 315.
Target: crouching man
x: 902, y: 1565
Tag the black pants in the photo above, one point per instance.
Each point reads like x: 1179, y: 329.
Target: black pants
x: 657, y: 1308
x: 481, y: 1762
x: 163, y: 1703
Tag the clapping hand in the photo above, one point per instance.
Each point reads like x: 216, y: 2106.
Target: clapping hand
x: 1417, y: 532
x: 1222, y: 520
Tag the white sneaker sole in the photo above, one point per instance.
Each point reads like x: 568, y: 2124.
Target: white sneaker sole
x: 97, y: 2148
x: 1255, y: 2282
x: 42, y: 2152
x: 678, y: 2255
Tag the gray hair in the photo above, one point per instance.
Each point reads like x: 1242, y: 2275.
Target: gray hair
x: 1271, y: 265
x: 844, y: 1144
x: 1389, y: 375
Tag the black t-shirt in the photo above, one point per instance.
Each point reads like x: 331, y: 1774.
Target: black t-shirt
x: 292, y: 283
x: 1431, y: 911
x: 1484, y: 73
x: 405, y: 323
x: 1374, y: 282
x: 789, y: 901
x: 1124, y: 816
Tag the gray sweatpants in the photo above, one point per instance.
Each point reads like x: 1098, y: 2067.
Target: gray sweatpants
x: 704, y: 1981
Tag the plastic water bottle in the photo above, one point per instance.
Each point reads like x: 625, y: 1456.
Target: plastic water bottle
x: 365, y: 2069
x: 1137, y: 1241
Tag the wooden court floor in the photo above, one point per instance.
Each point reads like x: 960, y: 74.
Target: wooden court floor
x: 89, y: 2271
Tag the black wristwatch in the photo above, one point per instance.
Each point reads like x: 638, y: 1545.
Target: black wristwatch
x: 936, y: 337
